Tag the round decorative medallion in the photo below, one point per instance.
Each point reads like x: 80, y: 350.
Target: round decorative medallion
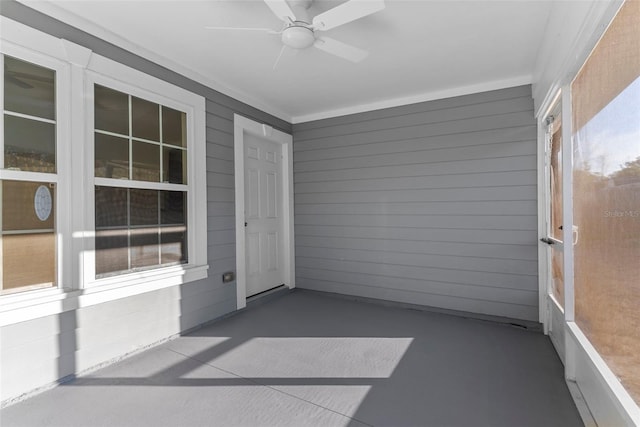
x: 42, y: 203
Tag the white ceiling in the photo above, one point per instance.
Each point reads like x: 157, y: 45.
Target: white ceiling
x: 418, y: 50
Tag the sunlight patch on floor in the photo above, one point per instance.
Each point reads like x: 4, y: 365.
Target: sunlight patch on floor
x: 315, y: 357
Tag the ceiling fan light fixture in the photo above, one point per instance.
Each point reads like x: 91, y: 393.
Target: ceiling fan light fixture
x: 298, y: 37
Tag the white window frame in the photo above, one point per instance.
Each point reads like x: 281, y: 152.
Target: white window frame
x: 77, y: 69
x: 47, y: 53
x: 108, y: 73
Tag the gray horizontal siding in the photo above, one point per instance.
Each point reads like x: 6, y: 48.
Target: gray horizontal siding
x: 488, y: 109
x: 447, y: 302
x: 466, y: 222
x: 495, y: 208
x: 462, y: 126
x: 431, y: 203
x: 498, y: 251
x: 40, y: 351
x: 422, y: 143
x: 480, y: 98
x: 504, y: 164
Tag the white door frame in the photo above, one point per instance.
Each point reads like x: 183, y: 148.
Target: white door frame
x: 544, y: 214
x: 242, y: 125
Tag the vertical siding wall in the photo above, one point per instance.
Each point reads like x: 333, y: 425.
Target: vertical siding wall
x: 41, y: 351
x: 431, y: 203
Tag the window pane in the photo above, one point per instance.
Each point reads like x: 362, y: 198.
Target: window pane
x: 174, y: 127
x: 112, y: 244
x: 27, y: 205
x: 127, y: 233
x: 146, y: 161
x: 174, y: 167
x: 556, y: 182
x: 145, y: 119
x: 173, y: 244
x: 111, y: 207
x: 144, y: 207
x: 112, y: 156
x: 606, y: 175
x: 557, y: 275
x: 173, y: 207
x: 28, y: 236
x: 29, y: 89
x: 28, y: 262
x: 144, y: 247
x: 111, y: 110
x: 29, y: 145
x: 112, y: 251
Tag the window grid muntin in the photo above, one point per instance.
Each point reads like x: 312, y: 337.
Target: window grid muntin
x: 131, y: 139
x: 30, y: 117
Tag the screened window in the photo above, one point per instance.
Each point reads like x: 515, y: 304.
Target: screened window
x: 606, y: 193
x: 141, y: 183
x: 28, y: 177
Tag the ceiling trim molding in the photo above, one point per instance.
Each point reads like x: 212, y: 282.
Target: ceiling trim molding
x: 414, y: 99
x: 70, y: 18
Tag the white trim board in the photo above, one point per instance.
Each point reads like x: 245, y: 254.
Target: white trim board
x: 242, y: 125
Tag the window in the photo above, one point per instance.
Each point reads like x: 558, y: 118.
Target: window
x: 606, y: 194
x: 148, y: 174
x: 28, y: 177
x: 102, y: 178
x: 145, y: 226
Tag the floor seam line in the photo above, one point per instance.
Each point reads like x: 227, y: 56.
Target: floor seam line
x: 271, y: 388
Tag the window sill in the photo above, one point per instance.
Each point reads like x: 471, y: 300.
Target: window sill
x: 31, y: 305
x: 618, y: 394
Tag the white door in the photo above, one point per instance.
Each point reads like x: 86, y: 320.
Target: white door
x: 263, y: 214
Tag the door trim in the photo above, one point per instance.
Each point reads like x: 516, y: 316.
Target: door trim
x: 242, y: 125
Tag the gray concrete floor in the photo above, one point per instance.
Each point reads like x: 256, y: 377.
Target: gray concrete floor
x: 309, y: 359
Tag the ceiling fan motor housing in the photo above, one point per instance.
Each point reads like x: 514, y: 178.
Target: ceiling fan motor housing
x: 298, y: 36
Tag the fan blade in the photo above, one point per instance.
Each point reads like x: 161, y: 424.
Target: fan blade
x: 285, y: 51
x: 346, y: 12
x: 342, y: 50
x: 275, y: 64
x: 281, y: 9
x: 268, y: 30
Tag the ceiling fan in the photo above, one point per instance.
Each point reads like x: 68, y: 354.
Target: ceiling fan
x: 300, y: 31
